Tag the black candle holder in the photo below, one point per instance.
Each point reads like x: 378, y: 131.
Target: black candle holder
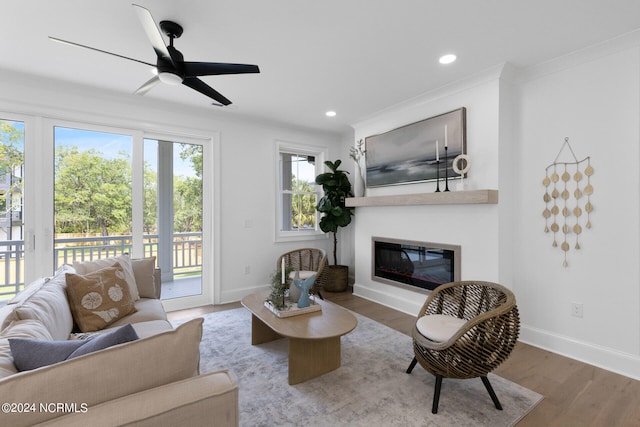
x: 446, y: 169
x: 437, y: 176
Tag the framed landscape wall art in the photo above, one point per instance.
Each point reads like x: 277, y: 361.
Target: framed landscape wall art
x: 410, y: 153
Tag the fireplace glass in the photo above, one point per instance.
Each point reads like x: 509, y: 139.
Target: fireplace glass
x: 417, y: 265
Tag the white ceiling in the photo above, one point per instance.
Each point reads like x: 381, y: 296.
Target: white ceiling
x: 356, y: 57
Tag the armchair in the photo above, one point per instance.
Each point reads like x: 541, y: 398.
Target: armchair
x: 306, y: 261
x: 465, y: 330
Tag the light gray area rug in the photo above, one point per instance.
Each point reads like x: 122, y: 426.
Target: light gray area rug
x: 371, y: 387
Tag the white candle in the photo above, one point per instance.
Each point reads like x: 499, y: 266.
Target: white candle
x: 445, y: 137
x: 282, y: 269
x: 437, y: 152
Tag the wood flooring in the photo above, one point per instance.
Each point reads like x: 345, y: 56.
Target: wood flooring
x: 575, y: 393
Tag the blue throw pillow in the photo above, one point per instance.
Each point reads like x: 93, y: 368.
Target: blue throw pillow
x: 32, y: 354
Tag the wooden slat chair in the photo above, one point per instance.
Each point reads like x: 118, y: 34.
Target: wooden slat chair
x: 465, y: 330
x: 307, y: 261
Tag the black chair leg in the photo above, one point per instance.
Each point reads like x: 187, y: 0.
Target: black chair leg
x: 412, y: 365
x: 320, y: 295
x: 492, y: 393
x: 436, y: 394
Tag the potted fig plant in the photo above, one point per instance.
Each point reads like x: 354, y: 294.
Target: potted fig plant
x: 335, y: 214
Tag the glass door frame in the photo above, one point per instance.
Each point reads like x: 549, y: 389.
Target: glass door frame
x: 41, y: 203
x: 38, y: 197
x: 210, y: 213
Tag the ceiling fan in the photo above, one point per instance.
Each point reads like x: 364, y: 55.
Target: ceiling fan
x: 170, y: 66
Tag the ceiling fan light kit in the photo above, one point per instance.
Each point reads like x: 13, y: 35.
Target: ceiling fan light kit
x: 170, y: 78
x: 170, y: 65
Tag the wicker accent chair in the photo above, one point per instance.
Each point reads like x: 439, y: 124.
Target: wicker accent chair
x: 475, y: 345
x: 306, y: 260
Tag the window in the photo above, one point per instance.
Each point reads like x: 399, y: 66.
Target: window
x: 298, y: 195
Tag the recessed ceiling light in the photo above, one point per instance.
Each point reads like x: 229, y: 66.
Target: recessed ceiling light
x: 330, y: 114
x: 447, y: 59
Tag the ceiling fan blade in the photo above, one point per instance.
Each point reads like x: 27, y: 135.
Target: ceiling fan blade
x: 147, y: 86
x: 192, y: 69
x: 205, y: 89
x: 152, y: 31
x: 55, y: 39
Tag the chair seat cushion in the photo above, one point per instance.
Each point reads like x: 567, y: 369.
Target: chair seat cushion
x: 304, y: 274
x: 439, y: 327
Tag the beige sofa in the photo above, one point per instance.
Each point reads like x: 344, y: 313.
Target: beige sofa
x: 151, y: 381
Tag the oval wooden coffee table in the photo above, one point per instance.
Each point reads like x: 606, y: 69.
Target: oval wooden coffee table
x: 314, y: 338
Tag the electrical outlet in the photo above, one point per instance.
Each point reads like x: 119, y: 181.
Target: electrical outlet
x: 576, y: 309
x: 247, y: 269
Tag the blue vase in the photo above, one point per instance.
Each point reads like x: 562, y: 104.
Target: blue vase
x: 304, y: 286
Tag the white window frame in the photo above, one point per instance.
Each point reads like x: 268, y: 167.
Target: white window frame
x: 320, y: 154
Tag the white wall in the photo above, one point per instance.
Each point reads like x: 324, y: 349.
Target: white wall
x: 517, y: 122
x: 592, y: 97
x: 245, y: 160
x: 474, y: 227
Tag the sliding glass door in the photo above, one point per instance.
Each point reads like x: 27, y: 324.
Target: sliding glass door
x: 173, y: 203
x: 12, y: 133
x: 72, y: 192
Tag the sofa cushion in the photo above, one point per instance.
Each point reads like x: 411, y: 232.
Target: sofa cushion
x: 123, y: 370
x: 32, y: 353
x: 209, y: 399
x: 87, y: 267
x: 147, y: 309
x: 143, y: 270
x: 28, y: 328
x: 99, y: 298
x: 31, y: 288
x: 18, y: 329
x: 7, y: 312
x: 6, y: 316
x: 152, y: 327
x: 48, y: 305
x: 7, y: 366
x: 143, y: 329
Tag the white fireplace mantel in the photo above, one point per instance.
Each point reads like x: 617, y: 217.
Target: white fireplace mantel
x: 440, y: 198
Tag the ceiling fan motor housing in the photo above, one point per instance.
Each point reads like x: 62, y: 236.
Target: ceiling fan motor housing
x: 171, y: 29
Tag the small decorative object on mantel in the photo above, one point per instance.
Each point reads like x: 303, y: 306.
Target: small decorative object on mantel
x: 437, y: 166
x: 561, y: 181
x: 357, y: 153
x: 461, y: 159
x: 446, y: 160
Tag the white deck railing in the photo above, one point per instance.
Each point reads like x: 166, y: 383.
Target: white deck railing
x: 186, y: 254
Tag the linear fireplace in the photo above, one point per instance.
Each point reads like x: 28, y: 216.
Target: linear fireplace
x: 418, y: 266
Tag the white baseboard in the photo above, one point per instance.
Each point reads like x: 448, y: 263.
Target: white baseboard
x: 234, y: 295
x: 603, y: 357
x: 405, y: 305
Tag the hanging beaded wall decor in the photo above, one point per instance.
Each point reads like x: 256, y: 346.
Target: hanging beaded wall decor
x: 567, y: 214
